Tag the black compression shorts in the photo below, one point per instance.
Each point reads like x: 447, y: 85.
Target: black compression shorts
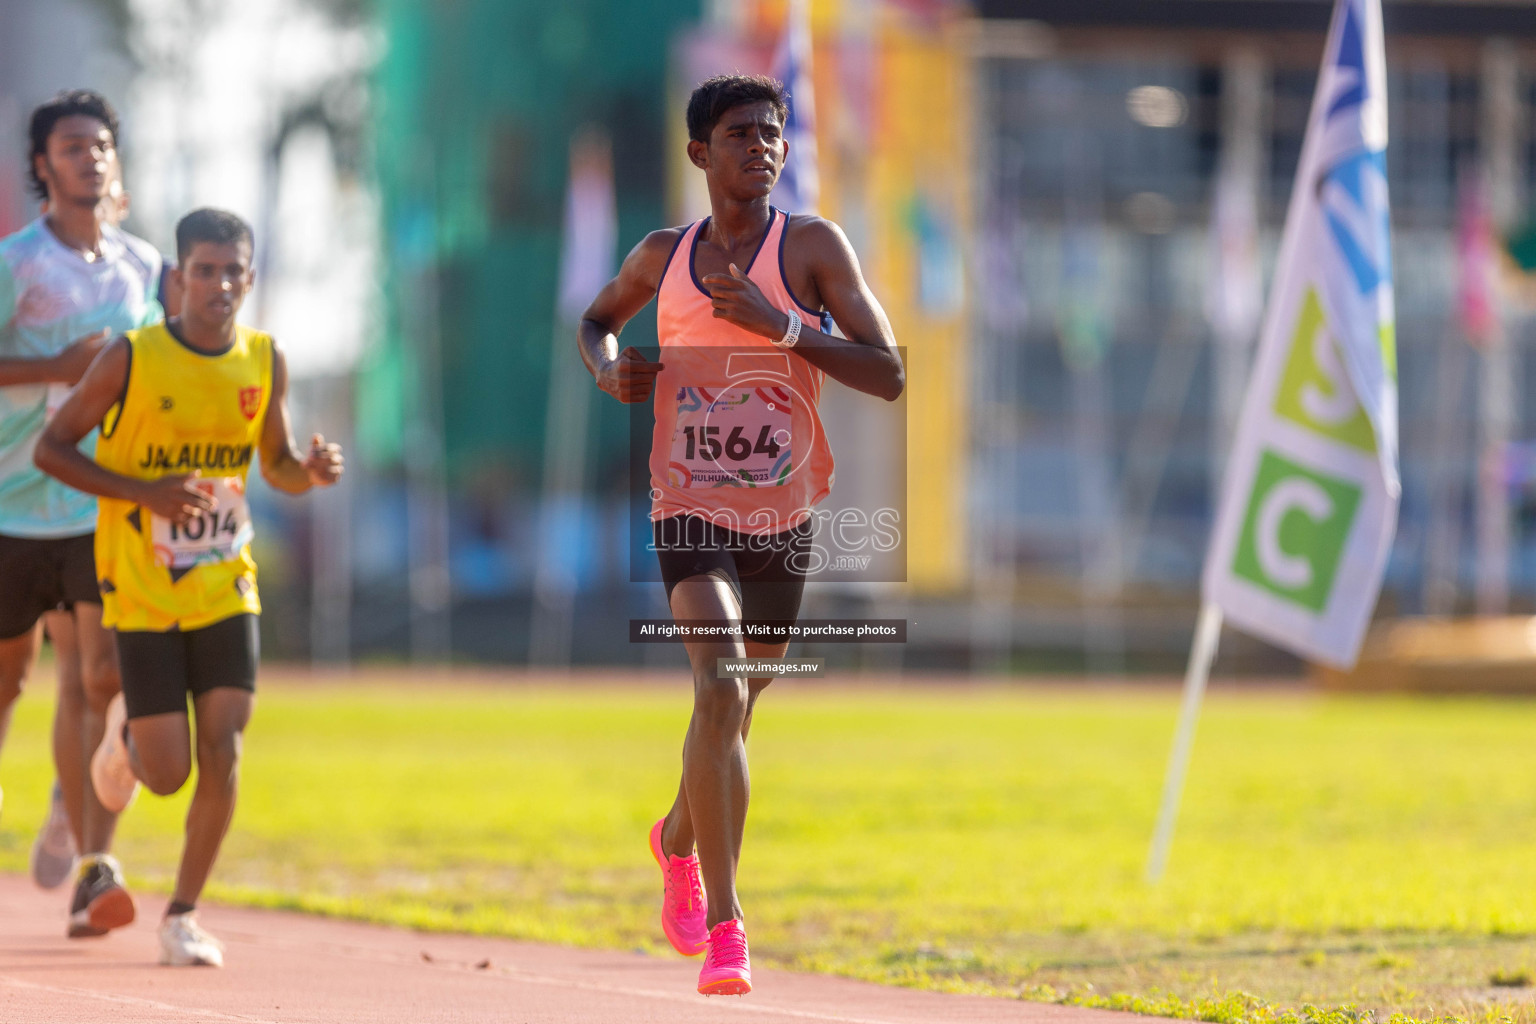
x: 766, y: 572
x: 161, y: 669
x: 38, y: 575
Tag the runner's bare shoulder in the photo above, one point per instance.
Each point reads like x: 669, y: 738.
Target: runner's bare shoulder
x: 114, y: 360
x: 816, y: 241
x: 648, y: 260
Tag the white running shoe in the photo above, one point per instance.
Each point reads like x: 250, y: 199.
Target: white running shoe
x: 53, y: 852
x: 111, y: 773
x: 183, y: 943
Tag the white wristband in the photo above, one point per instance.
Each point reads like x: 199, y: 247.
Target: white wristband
x: 791, y: 335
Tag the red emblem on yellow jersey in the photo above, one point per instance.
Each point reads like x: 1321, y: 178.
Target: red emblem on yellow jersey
x: 250, y: 402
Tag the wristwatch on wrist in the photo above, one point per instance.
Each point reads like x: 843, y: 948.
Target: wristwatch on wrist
x: 791, y: 335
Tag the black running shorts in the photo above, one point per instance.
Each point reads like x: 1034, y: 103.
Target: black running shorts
x: 161, y: 669
x: 766, y: 572
x: 38, y: 575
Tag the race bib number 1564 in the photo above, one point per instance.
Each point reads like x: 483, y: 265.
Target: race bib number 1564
x: 735, y: 437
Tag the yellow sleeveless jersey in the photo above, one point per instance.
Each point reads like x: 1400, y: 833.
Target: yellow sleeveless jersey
x: 182, y: 411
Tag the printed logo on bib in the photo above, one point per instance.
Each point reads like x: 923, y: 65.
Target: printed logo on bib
x: 732, y: 437
x: 215, y: 536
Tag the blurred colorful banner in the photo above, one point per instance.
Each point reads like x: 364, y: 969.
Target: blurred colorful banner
x: 799, y: 187
x: 591, y: 230
x: 1310, y: 502
x: 1477, y: 301
x: 1234, y: 291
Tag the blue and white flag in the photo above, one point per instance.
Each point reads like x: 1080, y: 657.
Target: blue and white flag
x: 1309, y: 506
x: 799, y: 187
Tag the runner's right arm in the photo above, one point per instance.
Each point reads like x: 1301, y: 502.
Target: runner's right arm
x: 625, y: 374
x: 64, y: 367
x: 58, y: 449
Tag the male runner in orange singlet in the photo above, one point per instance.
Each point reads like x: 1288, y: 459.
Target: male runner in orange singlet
x: 745, y: 300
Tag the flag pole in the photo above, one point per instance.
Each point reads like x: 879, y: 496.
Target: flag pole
x: 586, y: 263
x: 1331, y: 304
x: 1201, y: 655
x: 429, y: 575
x: 569, y: 396
x: 1497, y: 416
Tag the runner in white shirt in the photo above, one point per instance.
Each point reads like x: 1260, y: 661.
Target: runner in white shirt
x: 53, y: 850
x: 69, y: 281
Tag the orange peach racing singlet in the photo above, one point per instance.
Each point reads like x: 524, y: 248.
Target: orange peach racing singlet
x: 738, y: 439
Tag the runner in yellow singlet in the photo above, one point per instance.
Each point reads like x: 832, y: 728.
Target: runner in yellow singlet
x: 184, y: 407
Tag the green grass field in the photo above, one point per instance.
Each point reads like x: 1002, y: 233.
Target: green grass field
x: 1376, y: 852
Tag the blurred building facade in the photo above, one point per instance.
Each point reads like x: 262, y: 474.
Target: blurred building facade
x: 1069, y: 207
x: 1087, y: 347
x: 45, y: 47
x: 1127, y: 150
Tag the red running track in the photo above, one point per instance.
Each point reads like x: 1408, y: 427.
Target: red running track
x: 285, y: 968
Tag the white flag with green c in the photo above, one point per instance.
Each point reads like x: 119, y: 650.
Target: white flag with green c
x: 1309, y: 505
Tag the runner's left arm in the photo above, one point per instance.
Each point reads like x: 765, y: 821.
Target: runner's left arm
x: 866, y: 360
x: 282, y: 465
x: 58, y: 449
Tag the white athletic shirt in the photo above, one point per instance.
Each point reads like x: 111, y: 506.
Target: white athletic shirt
x: 50, y: 295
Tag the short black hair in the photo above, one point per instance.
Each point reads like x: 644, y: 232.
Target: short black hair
x: 209, y: 225
x: 714, y: 97
x: 65, y: 104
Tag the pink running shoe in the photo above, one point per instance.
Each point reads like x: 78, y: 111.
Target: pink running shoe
x: 727, y: 970
x: 684, y: 908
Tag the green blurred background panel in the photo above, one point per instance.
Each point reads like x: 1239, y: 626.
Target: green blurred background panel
x: 478, y: 101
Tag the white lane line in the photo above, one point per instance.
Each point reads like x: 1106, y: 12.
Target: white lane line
x: 365, y: 953
x: 528, y: 977
x: 148, y: 1004
x: 717, y: 1002
x: 353, y: 951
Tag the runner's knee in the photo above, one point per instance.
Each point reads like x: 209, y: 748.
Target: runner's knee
x: 10, y: 686
x: 162, y: 757
x: 71, y: 687
x: 720, y: 703
x: 101, y: 680
x: 71, y: 697
x: 164, y: 774
x: 755, y: 689
x: 13, y: 674
x: 218, y: 756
